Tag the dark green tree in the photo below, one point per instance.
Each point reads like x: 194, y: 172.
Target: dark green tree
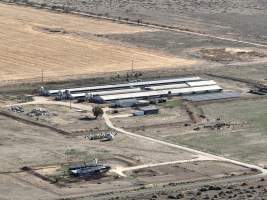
x: 98, y: 111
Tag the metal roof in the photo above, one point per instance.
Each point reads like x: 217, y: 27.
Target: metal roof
x: 89, y: 88
x: 108, y: 92
x: 171, y: 86
x: 213, y: 96
x: 183, y: 85
x: 182, y: 91
x: 142, y: 83
x: 201, y: 83
x: 148, y: 108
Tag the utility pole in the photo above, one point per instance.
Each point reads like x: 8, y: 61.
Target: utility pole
x: 70, y: 103
x: 42, y: 77
x: 132, y: 66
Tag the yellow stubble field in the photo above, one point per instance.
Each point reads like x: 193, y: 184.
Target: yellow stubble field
x: 27, y: 48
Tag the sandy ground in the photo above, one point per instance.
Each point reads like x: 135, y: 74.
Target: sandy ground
x: 25, y: 145
x: 28, y: 46
x: 45, y: 151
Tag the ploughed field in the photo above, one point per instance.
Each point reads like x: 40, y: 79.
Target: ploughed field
x: 67, y: 46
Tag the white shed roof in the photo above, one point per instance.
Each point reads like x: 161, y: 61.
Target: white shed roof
x: 142, y: 83
x: 108, y: 92
x: 181, y: 91
x: 171, y: 86
x: 201, y: 83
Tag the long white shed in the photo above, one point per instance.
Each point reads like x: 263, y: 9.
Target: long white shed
x: 146, y: 94
x: 125, y: 85
x: 201, y: 83
x: 108, y: 92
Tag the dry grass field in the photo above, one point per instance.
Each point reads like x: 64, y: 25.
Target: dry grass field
x: 65, y: 45
x: 189, y: 150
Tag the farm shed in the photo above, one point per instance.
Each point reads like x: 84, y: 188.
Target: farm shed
x: 158, y: 93
x: 149, y: 110
x: 123, y: 85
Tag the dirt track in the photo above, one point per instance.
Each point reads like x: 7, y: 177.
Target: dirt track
x: 207, y: 155
x: 32, y: 40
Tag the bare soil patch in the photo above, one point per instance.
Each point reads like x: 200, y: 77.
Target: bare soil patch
x: 171, y: 114
x: 226, y: 55
x: 64, y: 117
x: 189, y: 172
x: 59, y: 174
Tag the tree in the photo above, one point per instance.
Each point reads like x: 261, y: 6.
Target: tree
x: 97, y: 111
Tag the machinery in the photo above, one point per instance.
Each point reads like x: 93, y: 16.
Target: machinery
x: 260, y: 89
x: 107, y: 136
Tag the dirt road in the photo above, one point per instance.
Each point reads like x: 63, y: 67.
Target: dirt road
x: 208, y: 156
x: 121, y: 171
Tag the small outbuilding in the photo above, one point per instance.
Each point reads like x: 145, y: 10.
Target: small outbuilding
x: 138, y: 113
x: 149, y: 110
